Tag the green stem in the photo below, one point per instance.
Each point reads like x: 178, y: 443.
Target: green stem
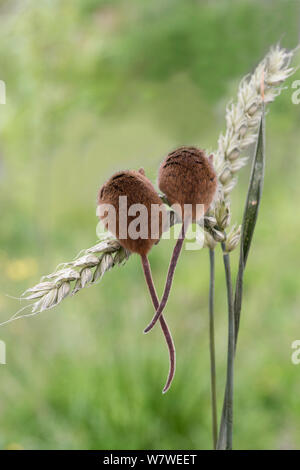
x: 226, y: 428
x: 212, y: 347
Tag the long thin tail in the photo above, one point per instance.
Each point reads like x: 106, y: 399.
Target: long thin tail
x: 171, y: 271
x: 163, y: 324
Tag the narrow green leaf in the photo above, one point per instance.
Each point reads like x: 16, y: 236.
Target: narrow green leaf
x: 249, y: 221
x: 250, y: 216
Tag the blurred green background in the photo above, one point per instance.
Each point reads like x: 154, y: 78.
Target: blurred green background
x: 94, y: 86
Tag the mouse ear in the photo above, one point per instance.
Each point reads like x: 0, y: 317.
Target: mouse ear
x: 211, y: 158
x: 142, y: 171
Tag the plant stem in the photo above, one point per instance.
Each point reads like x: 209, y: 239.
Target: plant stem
x: 212, y: 347
x: 227, y: 414
x: 249, y: 222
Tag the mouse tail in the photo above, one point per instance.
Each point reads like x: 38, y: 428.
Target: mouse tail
x: 171, y: 271
x: 163, y: 324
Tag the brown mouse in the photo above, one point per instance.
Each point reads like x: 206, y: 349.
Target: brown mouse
x: 139, y: 190
x: 186, y: 177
